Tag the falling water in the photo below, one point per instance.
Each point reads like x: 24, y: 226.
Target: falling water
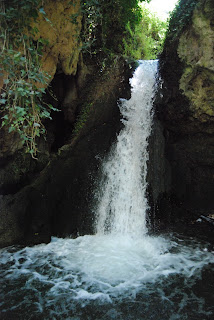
x: 120, y: 272
x: 123, y: 205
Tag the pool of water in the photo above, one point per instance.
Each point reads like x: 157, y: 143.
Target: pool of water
x: 108, y: 277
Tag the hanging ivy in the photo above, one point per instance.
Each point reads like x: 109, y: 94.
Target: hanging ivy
x: 180, y: 18
x: 21, y: 106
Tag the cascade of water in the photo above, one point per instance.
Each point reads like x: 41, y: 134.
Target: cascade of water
x: 113, y: 274
x: 122, y: 206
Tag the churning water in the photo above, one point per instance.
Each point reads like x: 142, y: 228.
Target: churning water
x: 120, y: 272
x: 122, y: 205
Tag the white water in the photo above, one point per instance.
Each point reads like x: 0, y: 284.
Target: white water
x: 103, y: 276
x: 123, y: 205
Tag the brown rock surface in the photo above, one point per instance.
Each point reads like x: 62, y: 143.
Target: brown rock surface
x: 187, y: 111
x: 60, y: 26
x: 195, y: 50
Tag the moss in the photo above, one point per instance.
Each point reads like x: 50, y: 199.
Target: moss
x: 196, y: 51
x: 180, y: 18
x: 82, y: 118
x: 63, y: 47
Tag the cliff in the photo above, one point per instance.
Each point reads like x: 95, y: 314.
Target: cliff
x: 60, y: 26
x: 57, y: 29
x: 187, y: 108
x: 51, y: 195
x: 195, y: 50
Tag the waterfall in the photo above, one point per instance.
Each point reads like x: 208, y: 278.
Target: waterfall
x: 120, y: 272
x: 123, y: 205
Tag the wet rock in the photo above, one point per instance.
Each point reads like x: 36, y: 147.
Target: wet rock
x: 186, y: 113
x: 54, y: 196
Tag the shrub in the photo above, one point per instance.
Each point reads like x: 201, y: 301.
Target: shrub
x: 145, y: 41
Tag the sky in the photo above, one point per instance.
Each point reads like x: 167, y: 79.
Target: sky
x: 162, y: 7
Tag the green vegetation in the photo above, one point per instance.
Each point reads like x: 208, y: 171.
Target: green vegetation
x: 146, y: 40
x: 105, y: 23
x: 82, y: 118
x: 110, y: 28
x: 21, y: 96
x: 121, y: 27
x: 180, y: 18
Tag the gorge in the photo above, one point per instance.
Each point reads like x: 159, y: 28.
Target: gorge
x: 114, y: 218
x: 119, y: 265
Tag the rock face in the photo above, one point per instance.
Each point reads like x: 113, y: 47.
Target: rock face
x: 187, y: 111
x: 60, y: 26
x: 159, y: 174
x: 53, y: 195
x: 195, y: 49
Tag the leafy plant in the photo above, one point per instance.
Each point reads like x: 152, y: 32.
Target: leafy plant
x: 21, y: 96
x: 145, y: 41
x: 180, y: 17
x: 105, y: 24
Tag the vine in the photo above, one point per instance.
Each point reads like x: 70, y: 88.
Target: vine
x: 180, y: 17
x: 21, y: 103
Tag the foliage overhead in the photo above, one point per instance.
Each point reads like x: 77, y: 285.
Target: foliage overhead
x: 180, y: 18
x: 105, y: 23
x: 145, y: 40
x: 121, y: 27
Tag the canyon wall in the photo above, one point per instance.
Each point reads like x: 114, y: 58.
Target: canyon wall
x: 186, y: 110
x: 52, y: 194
